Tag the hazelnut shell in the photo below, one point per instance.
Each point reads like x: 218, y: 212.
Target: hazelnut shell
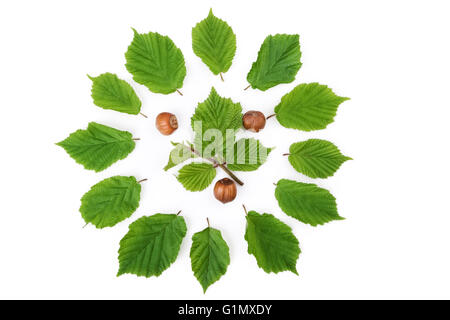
x: 254, y: 121
x: 225, y: 190
x: 166, y: 123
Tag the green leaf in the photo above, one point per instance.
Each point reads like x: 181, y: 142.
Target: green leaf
x: 110, y: 92
x: 216, y: 113
x: 210, y: 256
x: 248, y: 155
x: 214, y: 42
x: 156, y: 62
x: 316, y: 158
x: 306, y: 202
x: 309, y: 106
x: 272, y: 243
x: 196, y: 176
x: 99, y: 146
x: 110, y: 201
x: 178, y: 155
x: 278, y: 62
x: 151, y: 245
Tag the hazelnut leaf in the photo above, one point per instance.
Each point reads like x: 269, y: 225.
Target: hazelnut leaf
x: 196, y: 176
x: 214, y: 42
x: 178, y: 155
x: 156, y: 62
x: 306, y: 202
x: 278, y: 62
x: 316, y: 158
x: 110, y: 201
x: 216, y: 113
x: 309, y: 106
x: 248, y: 155
x: 151, y: 245
x: 99, y: 146
x: 272, y: 243
x: 210, y: 256
x: 110, y: 92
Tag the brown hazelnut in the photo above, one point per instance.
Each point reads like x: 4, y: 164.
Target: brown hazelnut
x: 225, y: 190
x: 254, y: 121
x: 166, y: 123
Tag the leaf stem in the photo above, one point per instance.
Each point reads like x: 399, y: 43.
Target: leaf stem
x: 179, y: 92
x: 135, y: 139
x: 143, y: 180
x: 245, y: 209
x: 217, y: 164
x: 145, y: 116
x: 286, y: 154
x: 207, y: 220
x: 221, y: 77
x: 178, y: 213
x: 272, y: 115
x: 231, y: 174
x: 247, y: 87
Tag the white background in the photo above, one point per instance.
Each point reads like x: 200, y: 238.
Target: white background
x: 390, y: 57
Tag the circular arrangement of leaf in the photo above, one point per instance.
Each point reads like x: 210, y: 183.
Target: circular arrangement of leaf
x: 152, y: 243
